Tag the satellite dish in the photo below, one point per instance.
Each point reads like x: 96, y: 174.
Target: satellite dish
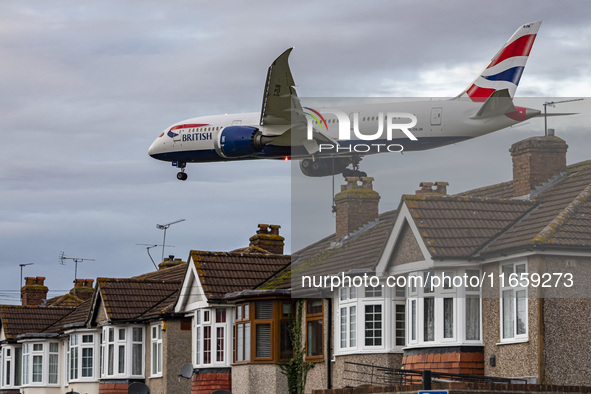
x: 221, y: 392
x: 187, y: 371
x: 138, y: 388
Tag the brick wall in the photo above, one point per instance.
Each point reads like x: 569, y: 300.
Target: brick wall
x: 113, y: 388
x: 356, y: 205
x: 204, y: 382
x: 457, y: 360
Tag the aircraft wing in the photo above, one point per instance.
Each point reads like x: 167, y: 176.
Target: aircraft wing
x: 280, y: 95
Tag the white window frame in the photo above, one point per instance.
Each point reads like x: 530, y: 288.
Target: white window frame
x: 127, y: 341
x: 78, y: 341
x: 353, y: 332
x: 207, y: 318
x: 31, y: 351
x: 156, y: 350
x: 458, y: 296
x: 507, y: 289
x: 9, y: 356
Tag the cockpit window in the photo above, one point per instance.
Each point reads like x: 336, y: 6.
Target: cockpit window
x: 161, y: 134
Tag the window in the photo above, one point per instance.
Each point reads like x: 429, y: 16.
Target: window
x: 156, y: 356
x: 123, y: 349
x: 400, y: 324
x: 314, y: 329
x: 11, y: 358
x: 262, y: 331
x: 40, y: 364
x: 242, y: 333
x: 373, y: 325
x: 428, y: 318
x: 513, y: 303
x: 210, y: 336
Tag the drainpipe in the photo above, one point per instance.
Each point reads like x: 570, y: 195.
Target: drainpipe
x: 329, y: 346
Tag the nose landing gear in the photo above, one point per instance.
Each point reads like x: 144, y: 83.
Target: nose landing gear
x: 182, y: 175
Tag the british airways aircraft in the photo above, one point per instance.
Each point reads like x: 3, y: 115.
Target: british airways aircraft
x: 284, y: 130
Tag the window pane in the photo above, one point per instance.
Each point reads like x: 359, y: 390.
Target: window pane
x: 18, y: 362
x: 264, y: 310
x: 521, y: 312
x: 111, y: 360
x: 314, y: 337
x: 37, y: 347
x: 400, y: 325
x: 53, y: 367
x: 373, y: 325
x: 247, y: 341
x: 74, y: 363
x: 472, y: 318
x: 198, y: 345
x: 427, y: 281
x: 121, y: 365
x: 429, y: 319
x: 87, y: 354
x: 137, y: 334
x: 508, y: 314
x: 285, y: 345
x: 263, y: 340
x: 239, y: 312
x: 343, y: 327
x: 373, y: 291
x: 413, y: 329
x: 207, y: 345
x: 246, y: 311
x: 53, y: 347
x: 239, y: 342
x: 136, y: 359
x: 353, y: 326
x: 87, y: 339
x: 37, y: 368
x: 220, y: 343
x: 448, y: 318
x: 220, y: 315
x: 470, y: 274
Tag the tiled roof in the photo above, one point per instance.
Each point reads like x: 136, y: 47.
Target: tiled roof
x: 559, y: 219
x: 460, y: 226
x: 66, y: 300
x: 174, y: 274
x: 132, y: 299
x: 221, y: 273
x: 78, y: 317
x: 18, y: 319
x: 360, y: 250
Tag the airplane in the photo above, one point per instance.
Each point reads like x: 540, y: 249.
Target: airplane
x: 285, y: 130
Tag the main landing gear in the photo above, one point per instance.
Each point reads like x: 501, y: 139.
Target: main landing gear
x: 182, y: 175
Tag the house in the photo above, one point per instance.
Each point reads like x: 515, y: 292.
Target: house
x: 509, y: 237
x: 222, y: 347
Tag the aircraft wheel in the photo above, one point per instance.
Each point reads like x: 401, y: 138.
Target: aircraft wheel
x: 181, y: 176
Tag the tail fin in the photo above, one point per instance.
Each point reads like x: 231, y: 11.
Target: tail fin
x: 505, y: 69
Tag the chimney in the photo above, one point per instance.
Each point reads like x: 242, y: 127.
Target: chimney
x: 169, y: 262
x: 83, y: 289
x: 34, y: 292
x: 535, y: 161
x: 356, y: 205
x: 427, y: 188
x: 268, y: 238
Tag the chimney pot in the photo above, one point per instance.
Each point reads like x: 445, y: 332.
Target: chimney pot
x: 263, y: 229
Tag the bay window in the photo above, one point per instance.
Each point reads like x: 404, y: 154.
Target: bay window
x: 440, y: 311
x: 40, y: 363
x: 262, y: 331
x: 122, y: 348
x: 210, y: 336
x: 83, y: 347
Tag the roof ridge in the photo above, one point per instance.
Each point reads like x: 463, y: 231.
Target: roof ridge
x: 240, y: 254
x: 138, y: 280
x: 458, y: 197
x: 552, y: 227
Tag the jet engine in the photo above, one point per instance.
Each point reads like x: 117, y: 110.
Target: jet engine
x: 324, y: 166
x: 235, y: 142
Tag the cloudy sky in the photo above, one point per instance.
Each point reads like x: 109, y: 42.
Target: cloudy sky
x: 86, y: 87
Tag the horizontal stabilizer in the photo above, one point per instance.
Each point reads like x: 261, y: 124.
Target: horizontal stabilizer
x: 499, y: 103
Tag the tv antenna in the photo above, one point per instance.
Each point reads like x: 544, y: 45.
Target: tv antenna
x: 165, y: 227
x: 150, y: 246
x: 21, y: 282
x: 553, y: 104
x: 76, y: 260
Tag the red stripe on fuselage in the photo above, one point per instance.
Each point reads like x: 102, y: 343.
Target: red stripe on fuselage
x: 187, y: 126
x: 520, y: 47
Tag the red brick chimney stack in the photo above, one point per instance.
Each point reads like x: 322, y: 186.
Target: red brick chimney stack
x: 34, y: 292
x: 268, y: 238
x: 356, y: 205
x: 83, y: 289
x: 535, y: 161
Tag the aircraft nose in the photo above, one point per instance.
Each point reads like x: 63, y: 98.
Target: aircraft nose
x: 153, y: 149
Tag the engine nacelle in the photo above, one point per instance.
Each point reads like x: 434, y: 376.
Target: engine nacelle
x: 324, y: 166
x: 234, y: 142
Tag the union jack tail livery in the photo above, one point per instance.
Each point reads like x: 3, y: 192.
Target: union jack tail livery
x: 505, y: 69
